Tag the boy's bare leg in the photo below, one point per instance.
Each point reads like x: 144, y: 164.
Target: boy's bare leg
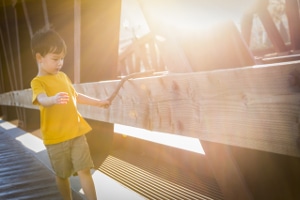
x: 63, y: 185
x: 87, y: 184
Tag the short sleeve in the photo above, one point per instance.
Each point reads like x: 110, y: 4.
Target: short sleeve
x: 37, y: 89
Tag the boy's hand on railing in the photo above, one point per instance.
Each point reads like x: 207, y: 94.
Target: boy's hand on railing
x: 104, y: 103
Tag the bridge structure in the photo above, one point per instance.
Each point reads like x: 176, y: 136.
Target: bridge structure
x: 204, y: 78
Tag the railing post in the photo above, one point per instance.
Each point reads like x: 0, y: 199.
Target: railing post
x: 226, y: 171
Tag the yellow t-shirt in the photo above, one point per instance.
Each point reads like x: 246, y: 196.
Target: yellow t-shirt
x: 58, y: 122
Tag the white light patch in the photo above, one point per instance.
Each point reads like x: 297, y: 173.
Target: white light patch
x: 108, y: 188
x: 31, y: 142
x: 173, y: 140
x: 7, y: 125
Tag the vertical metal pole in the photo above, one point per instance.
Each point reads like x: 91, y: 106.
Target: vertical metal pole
x: 1, y: 76
x: 45, y: 14
x: 77, y: 35
x: 3, y: 109
x: 292, y: 13
x: 27, y: 18
x: 246, y: 26
x: 6, y: 59
x: 18, y: 51
x: 14, y: 85
x: 11, y: 70
x: 20, y: 72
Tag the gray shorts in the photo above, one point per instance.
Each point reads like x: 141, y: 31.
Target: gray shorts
x: 70, y: 156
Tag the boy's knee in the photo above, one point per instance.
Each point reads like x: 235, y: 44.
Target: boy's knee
x: 84, y: 172
x: 61, y: 179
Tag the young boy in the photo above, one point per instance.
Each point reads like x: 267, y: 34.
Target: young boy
x: 63, y: 128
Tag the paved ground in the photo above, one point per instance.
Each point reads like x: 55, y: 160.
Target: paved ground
x: 25, y: 171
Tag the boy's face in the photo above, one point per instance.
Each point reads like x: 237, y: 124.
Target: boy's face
x: 50, y: 64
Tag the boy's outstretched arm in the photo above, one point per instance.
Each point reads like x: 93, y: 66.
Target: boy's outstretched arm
x: 84, y: 99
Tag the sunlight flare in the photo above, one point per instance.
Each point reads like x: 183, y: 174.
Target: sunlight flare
x: 173, y: 140
x: 32, y: 142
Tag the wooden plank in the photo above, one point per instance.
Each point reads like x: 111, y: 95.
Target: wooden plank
x: 249, y: 107
x: 254, y: 107
x: 19, y: 98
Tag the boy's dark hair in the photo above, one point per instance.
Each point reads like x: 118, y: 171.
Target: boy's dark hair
x: 47, y: 41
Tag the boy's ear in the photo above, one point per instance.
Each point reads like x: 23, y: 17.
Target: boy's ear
x: 38, y: 57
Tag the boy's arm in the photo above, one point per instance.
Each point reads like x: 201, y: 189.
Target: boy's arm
x: 84, y: 99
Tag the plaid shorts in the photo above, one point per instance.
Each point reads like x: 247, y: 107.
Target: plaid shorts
x: 70, y: 156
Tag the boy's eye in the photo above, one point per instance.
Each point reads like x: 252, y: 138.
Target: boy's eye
x: 57, y: 59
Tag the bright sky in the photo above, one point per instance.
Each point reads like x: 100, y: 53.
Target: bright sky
x: 181, y: 14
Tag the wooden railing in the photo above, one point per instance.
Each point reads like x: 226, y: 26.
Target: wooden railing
x: 256, y: 107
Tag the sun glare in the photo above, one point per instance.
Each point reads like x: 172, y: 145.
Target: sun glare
x: 197, y: 14
x: 173, y: 140
x: 7, y: 125
x: 31, y: 142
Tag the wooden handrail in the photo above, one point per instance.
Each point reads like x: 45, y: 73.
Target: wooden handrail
x: 255, y: 107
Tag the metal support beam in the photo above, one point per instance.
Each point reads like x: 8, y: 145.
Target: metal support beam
x: 45, y: 12
x: 14, y: 77
x: 292, y: 12
x: 246, y: 27
x: 18, y: 56
x: 77, y: 38
x: 1, y: 74
x: 10, y: 78
x: 9, y: 49
x: 27, y: 18
x: 21, y: 111
x: 270, y: 27
x: 172, y: 52
x: 226, y: 171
